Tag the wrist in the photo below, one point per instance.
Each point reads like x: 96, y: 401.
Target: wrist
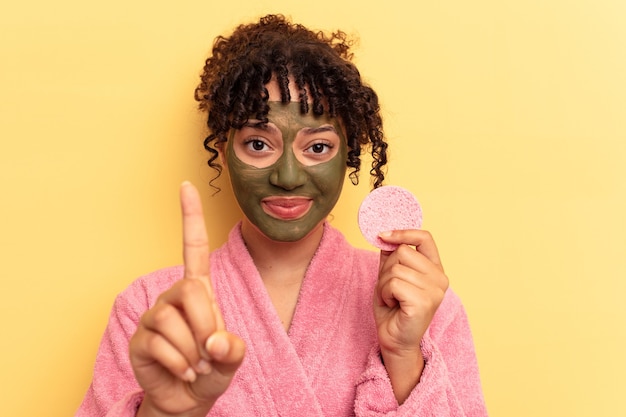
x: 404, y: 370
x: 147, y: 408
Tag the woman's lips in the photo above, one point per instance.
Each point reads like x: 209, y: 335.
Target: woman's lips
x: 286, y: 208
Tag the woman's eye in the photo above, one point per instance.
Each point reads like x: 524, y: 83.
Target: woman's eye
x: 256, y: 145
x: 319, y: 148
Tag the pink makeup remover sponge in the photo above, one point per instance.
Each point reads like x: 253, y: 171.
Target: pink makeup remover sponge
x: 388, y: 208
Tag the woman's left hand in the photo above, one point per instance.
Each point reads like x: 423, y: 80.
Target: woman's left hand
x: 411, y: 286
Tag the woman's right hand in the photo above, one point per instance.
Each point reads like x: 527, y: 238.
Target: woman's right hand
x: 181, y: 354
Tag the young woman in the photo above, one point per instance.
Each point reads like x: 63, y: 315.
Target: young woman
x: 287, y: 318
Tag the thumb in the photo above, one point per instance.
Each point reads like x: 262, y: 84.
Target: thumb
x: 226, y: 350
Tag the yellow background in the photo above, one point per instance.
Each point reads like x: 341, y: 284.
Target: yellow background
x: 505, y: 118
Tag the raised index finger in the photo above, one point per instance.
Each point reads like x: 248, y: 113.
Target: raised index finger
x: 195, y: 239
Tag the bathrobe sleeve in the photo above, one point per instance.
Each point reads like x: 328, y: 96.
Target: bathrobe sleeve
x: 114, y: 392
x: 450, y: 383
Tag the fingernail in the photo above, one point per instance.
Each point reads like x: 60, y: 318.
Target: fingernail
x: 385, y: 234
x: 217, y: 346
x: 203, y: 367
x: 189, y: 375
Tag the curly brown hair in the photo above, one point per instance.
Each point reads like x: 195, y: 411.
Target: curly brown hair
x: 232, y: 87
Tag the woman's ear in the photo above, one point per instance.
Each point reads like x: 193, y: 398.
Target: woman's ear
x: 221, y: 150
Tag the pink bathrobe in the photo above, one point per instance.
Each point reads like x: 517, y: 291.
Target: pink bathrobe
x: 328, y: 364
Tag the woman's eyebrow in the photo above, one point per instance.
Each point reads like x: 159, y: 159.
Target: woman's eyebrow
x: 319, y: 129
x: 257, y: 124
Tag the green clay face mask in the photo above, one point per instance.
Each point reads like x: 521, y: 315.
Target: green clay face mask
x: 287, y: 174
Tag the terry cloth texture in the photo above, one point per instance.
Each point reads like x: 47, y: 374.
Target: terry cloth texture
x: 328, y: 364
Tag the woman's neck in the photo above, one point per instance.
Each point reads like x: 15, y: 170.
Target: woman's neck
x: 280, y: 261
x: 282, y: 266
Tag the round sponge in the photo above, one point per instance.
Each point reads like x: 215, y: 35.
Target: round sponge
x: 388, y: 208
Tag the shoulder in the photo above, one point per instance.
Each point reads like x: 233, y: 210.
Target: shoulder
x: 337, y: 242
x: 360, y: 266
x: 139, y: 296
x: 450, y: 316
x: 143, y: 292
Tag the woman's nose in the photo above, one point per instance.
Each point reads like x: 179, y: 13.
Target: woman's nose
x: 288, y: 173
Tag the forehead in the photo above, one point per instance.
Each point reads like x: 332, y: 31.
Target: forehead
x: 289, y: 116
